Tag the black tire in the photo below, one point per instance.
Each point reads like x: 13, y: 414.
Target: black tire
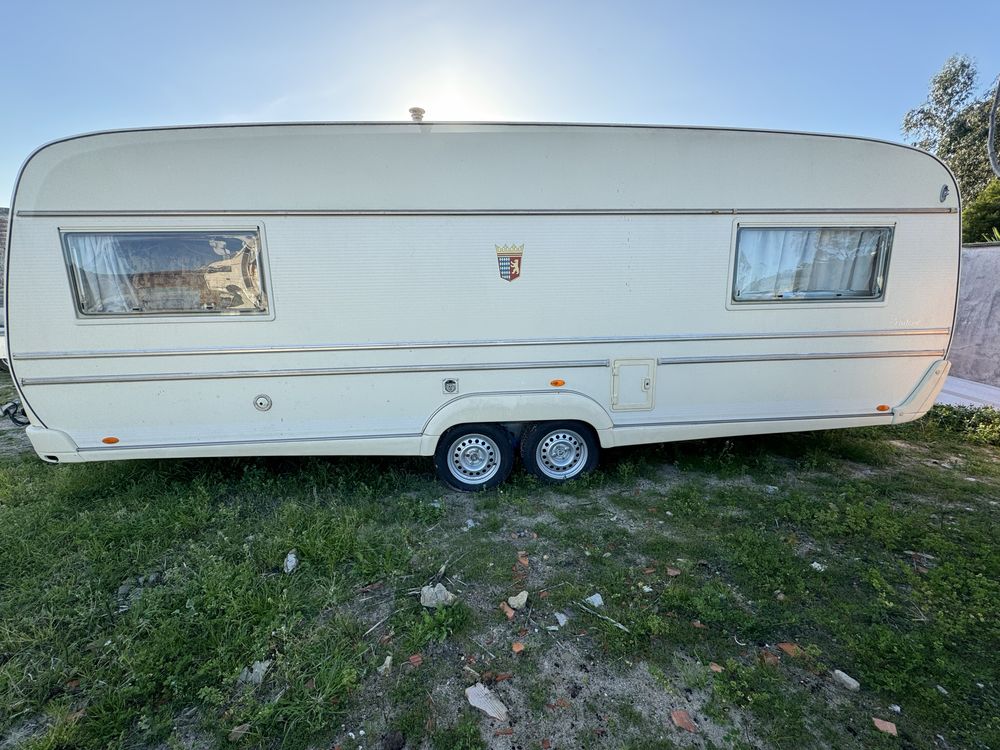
x: 474, y: 457
x: 557, y: 452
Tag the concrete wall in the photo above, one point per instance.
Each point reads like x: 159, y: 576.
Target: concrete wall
x: 975, y: 349
x: 3, y: 244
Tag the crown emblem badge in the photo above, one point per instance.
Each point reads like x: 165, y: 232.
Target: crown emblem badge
x: 509, y: 259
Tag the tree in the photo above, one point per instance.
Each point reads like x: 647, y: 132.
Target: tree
x: 953, y: 124
x: 981, y: 215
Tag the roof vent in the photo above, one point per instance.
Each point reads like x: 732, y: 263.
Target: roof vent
x: 417, y: 114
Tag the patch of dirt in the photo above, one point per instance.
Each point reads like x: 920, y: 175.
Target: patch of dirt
x: 19, y: 734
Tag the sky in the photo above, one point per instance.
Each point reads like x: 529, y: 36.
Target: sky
x: 833, y: 67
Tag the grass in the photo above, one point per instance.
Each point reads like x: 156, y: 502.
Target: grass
x: 133, y: 596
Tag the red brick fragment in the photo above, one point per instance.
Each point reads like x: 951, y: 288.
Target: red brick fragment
x: 416, y: 660
x: 682, y: 720
x: 792, y: 649
x: 885, y: 726
x: 715, y: 667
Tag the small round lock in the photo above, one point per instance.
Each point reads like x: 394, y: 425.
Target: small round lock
x: 262, y: 402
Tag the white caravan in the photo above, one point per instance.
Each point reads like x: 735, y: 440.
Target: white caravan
x: 468, y: 291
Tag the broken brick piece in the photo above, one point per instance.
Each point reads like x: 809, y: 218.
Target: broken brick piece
x: 715, y: 667
x: 507, y: 610
x: 885, y: 726
x: 649, y: 571
x: 506, y: 731
x: 769, y: 659
x: 546, y: 745
x: 517, y: 647
x: 416, y: 660
x: 673, y: 572
x: 682, y: 720
x: 792, y: 649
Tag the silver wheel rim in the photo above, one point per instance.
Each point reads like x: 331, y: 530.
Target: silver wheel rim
x: 561, y: 454
x: 474, y: 458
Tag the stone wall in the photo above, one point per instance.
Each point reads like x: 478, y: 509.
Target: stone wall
x: 975, y: 349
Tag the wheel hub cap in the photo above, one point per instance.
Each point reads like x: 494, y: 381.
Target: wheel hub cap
x: 561, y: 454
x: 474, y: 459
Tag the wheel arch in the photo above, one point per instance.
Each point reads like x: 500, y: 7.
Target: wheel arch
x: 521, y: 406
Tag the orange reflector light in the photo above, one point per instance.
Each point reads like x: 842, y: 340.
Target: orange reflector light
x: 882, y: 407
x: 109, y: 440
x: 557, y: 382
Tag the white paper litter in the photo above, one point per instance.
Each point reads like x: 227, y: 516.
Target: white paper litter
x: 595, y: 600
x: 518, y: 601
x: 479, y: 696
x: 436, y: 596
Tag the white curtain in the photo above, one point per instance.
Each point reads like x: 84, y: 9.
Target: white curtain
x: 102, y: 274
x: 808, y: 263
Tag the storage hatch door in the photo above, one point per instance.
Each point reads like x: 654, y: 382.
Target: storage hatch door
x: 632, y: 383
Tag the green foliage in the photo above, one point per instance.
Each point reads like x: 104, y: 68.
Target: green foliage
x: 953, y: 124
x: 423, y: 627
x: 900, y: 517
x: 464, y: 735
x: 981, y: 216
x: 763, y: 691
x: 979, y: 425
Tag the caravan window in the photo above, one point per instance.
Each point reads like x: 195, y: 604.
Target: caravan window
x: 166, y: 273
x: 810, y: 263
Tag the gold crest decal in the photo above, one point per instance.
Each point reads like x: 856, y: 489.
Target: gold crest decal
x: 509, y: 259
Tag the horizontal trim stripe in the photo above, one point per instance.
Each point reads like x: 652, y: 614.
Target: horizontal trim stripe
x: 221, y: 443
x: 306, y: 372
x: 655, y: 339
x: 482, y: 212
x: 745, y: 420
x: 793, y: 357
x: 285, y: 441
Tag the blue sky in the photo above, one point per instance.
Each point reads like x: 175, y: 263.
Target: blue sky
x: 844, y: 67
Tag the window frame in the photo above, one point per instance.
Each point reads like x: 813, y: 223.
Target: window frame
x: 882, y: 265
x: 191, y: 316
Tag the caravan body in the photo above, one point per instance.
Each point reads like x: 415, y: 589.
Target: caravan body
x: 370, y: 288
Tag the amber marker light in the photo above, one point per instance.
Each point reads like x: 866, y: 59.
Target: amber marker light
x: 109, y: 440
x: 557, y: 382
x: 882, y: 407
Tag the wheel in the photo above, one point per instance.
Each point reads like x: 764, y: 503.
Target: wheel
x: 474, y: 457
x: 559, y: 451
